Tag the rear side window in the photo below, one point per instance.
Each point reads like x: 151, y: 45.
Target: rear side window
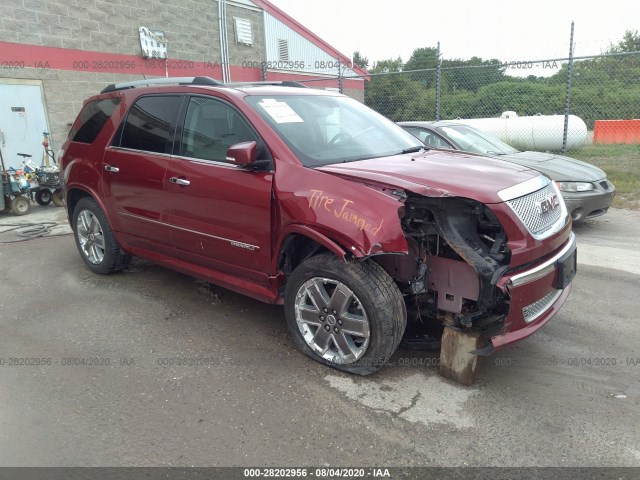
x: 91, y: 120
x: 150, y: 124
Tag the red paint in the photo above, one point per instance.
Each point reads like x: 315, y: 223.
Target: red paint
x: 437, y: 173
x: 54, y: 58
x: 228, y: 225
x: 516, y: 329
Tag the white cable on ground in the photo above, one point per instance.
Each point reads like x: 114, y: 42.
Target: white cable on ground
x: 29, y: 231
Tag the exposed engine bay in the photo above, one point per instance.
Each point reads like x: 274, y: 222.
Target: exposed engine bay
x: 458, y: 251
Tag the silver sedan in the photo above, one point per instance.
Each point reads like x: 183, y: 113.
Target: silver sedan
x: 585, y: 188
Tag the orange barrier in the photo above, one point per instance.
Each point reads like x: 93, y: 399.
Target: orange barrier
x: 616, y: 131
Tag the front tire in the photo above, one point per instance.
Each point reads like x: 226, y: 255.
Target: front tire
x: 94, y: 239
x: 20, y: 205
x: 347, y: 315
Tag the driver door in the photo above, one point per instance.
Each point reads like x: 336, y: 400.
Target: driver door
x: 220, y: 213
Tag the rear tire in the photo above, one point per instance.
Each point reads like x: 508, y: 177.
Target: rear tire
x: 43, y: 197
x: 94, y: 239
x: 58, y: 198
x: 20, y: 205
x: 347, y: 315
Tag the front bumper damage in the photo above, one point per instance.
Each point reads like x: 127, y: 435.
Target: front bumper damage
x: 536, y: 294
x: 473, y: 275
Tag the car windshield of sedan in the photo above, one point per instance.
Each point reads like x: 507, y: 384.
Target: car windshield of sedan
x: 472, y: 140
x: 326, y: 129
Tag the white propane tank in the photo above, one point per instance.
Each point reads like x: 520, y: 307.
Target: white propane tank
x: 537, y: 132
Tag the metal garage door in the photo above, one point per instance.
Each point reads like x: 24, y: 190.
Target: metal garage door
x: 22, y: 120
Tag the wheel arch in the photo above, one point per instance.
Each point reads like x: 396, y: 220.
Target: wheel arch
x: 299, y: 242
x: 75, y: 194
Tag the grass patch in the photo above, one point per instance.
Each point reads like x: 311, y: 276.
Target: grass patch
x: 622, y: 166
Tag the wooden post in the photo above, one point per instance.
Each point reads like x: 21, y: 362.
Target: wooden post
x: 456, y: 363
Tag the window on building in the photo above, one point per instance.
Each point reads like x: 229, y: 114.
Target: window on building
x: 283, y: 50
x: 244, y: 33
x: 91, y: 120
x: 150, y: 124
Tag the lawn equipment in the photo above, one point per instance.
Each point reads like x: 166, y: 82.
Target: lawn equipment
x: 15, y: 190
x: 47, y: 187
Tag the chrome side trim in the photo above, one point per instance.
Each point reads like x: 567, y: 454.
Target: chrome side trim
x: 211, y: 163
x: 135, y: 150
x: 233, y: 243
x: 524, y: 188
x: 544, y: 268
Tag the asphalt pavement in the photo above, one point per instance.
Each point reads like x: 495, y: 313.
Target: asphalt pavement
x: 150, y: 367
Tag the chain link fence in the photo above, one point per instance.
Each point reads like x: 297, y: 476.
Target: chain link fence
x: 554, y: 104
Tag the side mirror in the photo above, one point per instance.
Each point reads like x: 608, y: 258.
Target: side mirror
x: 242, y: 153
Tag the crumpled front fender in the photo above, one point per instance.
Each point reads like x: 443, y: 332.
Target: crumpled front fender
x: 363, y: 219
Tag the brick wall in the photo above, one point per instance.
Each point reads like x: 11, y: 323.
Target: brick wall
x: 239, y: 53
x: 111, y: 26
x: 191, y: 26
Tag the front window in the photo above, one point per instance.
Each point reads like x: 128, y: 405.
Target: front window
x: 210, y: 128
x: 471, y: 140
x: 326, y: 129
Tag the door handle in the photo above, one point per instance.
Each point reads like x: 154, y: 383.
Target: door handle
x: 109, y: 168
x: 180, y: 181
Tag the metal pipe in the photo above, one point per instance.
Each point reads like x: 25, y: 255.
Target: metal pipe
x: 222, y: 26
x: 567, y: 106
x: 438, y: 75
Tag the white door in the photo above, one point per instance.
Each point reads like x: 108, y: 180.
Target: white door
x: 22, y: 121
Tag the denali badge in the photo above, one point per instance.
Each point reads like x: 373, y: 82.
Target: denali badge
x: 548, y: 204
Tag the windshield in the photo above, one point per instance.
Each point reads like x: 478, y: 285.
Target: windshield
x: 326, y: 129
x: 472, y: 140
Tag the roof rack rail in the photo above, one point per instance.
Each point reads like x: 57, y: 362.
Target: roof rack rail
x: 161, y: 81
x: 280, y: 83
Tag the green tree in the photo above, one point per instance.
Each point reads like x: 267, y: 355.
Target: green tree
x: 389, y: 65
x: 630, y: 43
x: 422, y: 58
x: 359, y: 60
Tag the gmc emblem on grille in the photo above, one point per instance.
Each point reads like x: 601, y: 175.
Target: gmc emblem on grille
x: 548, y: 204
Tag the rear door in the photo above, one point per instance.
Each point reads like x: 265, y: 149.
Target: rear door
x: 134, y: 169
x: 220, y: 213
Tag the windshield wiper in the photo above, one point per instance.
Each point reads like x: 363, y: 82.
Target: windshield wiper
x: 413, y: 149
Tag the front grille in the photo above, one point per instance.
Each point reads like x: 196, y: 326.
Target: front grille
x: 49, y: 179
x: 533, y: 311
x: 604, y: 184
x: 528, y: 210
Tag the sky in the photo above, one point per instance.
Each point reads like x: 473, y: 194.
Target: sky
x: 507, y: 30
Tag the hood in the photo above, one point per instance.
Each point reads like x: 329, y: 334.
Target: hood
x: 438, y: 174
x: 557, y: 167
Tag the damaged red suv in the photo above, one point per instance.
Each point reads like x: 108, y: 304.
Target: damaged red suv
x: 309, y: 199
